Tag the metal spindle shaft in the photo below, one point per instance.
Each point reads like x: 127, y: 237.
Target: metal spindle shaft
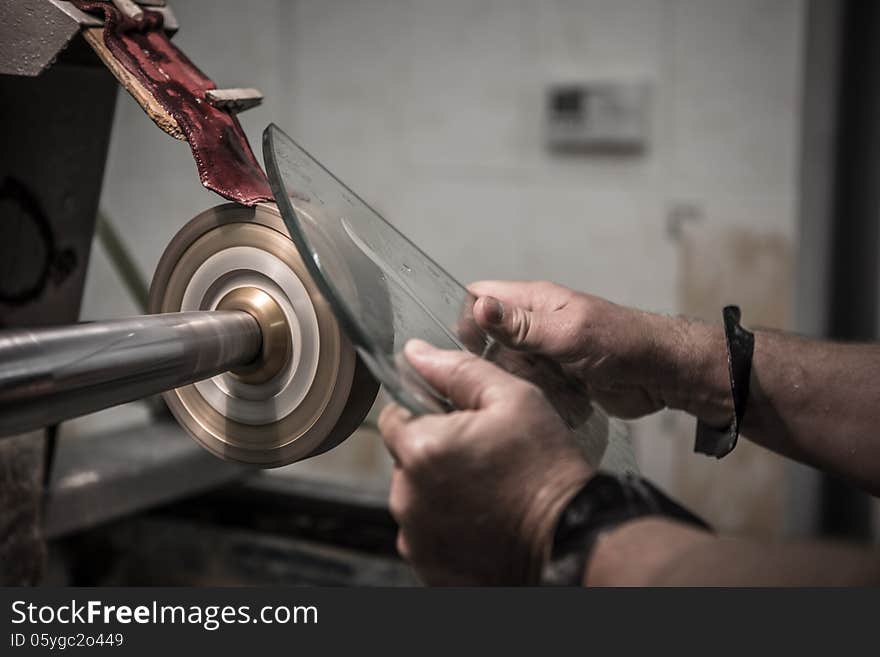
x: 52, y: 374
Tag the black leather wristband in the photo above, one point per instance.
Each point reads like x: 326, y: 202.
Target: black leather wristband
x: 740, y: 348
x: 606, y: 501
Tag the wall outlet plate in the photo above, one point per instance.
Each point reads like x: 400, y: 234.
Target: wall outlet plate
x: 603, y: 116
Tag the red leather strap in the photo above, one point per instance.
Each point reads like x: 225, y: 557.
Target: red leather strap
x: 223, y: 156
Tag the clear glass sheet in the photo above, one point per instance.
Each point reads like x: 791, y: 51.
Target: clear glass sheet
x: 383, y: 289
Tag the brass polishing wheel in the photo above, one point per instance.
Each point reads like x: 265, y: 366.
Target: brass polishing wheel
x: 308, y: 390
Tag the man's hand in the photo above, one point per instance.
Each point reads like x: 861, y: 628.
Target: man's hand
x: 629, y: 361
x: 810, y: 400
x: 477, y: 492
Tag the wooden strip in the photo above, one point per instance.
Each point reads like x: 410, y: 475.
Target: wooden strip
x: 95, y: 38
x: 234, y: 100
x: 129, y: 8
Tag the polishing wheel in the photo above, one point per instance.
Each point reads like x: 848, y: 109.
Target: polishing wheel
x: 307, y: 390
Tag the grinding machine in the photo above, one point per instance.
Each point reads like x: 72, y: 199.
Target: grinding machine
x: 250, y: 357
x: 261, y: 326
x: 258, y: 369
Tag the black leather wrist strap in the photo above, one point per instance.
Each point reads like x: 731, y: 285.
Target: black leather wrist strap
x: 607, y: 500
x: 740, y: 347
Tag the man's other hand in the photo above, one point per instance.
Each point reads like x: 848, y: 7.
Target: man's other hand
x: 477, y: 492
x: 630, y: 362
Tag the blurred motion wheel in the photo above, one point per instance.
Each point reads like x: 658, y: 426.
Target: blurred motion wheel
x: 309, y: 389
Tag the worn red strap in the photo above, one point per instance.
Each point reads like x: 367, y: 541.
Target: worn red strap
x: 223, y: 156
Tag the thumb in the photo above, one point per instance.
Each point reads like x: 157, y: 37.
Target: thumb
x: 513, y: 326
x: 467, y: 381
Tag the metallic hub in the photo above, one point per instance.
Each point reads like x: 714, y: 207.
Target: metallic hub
x: 277, y: 343
x: 307, y: 390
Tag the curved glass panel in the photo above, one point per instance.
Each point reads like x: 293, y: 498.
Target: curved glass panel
x: 383, y: 289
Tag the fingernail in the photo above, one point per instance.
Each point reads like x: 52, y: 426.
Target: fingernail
x: 494, y: 310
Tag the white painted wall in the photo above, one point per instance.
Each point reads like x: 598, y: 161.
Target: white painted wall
x: 433, y: 112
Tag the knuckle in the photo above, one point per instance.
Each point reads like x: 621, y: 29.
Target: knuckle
x: 505, y: 388
x: 579, y: 309
x: 399, y: 499
x: 390, y: 420
x: 385, y: 417
x: 581, y: 304
x: 391, y: 433
x: 463, y: 366
x: 399, y: 508
x: 422, y: 453
x: 523, y: 326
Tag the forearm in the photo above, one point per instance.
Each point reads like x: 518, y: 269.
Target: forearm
x: 661, y: 552
x: 817, y: 402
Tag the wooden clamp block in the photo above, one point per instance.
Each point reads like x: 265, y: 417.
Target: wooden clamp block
x: 234, y: 100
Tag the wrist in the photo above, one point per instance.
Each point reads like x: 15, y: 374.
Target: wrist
x: 539, y: 524
x: 698, y: 372
x: 637, y: 553
x: 606, y: 502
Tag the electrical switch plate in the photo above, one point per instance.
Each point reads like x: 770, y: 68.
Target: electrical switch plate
x: 598, y: 116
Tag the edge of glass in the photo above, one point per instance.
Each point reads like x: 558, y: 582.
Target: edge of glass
x: 385, y: 370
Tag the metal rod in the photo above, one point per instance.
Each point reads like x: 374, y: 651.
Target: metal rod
x: 53, y: 374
